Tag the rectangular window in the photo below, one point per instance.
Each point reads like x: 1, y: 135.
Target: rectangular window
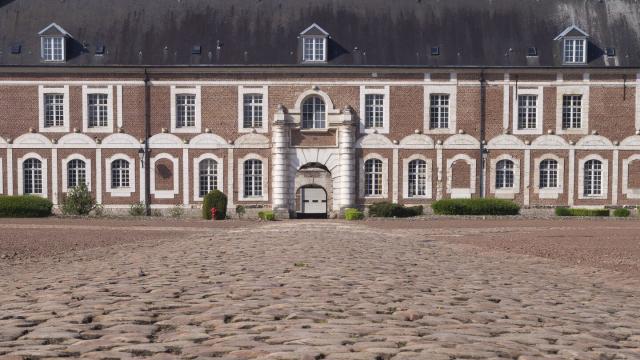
x: 97, y: 110
x: 53, y: 49
x: 313, y: 49
x: 53, y: 110
x: 252, y: 117
x: 374, y: 111
x: 575, y: 51
x: 185, y: 110
x: 572, y: 111
x: 527, y: 112
x: 439, y: 111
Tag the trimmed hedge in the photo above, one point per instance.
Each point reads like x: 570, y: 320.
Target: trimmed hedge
x: 353, y: 214
x: 215, y: 199
x: 25, y: 206
x: 267, y: 215
x: 563, y: 211
x: 621, y: 212
x: 387, y: 209
x: 475, y: 207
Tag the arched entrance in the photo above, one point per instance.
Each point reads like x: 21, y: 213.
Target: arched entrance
x: 313, y: 201
x: 314, y: 191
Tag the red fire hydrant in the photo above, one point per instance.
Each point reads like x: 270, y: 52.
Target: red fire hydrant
x: 213, y: 213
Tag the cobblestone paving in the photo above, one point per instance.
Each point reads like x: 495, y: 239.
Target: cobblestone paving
x: 314, y: 290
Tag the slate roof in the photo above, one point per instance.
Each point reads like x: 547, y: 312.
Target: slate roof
x: 398, y: 33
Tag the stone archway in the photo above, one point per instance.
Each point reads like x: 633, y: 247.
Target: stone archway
x: 313, y: 175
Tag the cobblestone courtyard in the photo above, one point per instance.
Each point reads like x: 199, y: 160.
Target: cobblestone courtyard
x: 313, y: 290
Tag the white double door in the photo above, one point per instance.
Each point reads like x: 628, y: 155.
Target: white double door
x: 314, y: 201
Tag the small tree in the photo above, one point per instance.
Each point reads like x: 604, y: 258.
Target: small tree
x: 240, y: 210
x: 215, y: 199
x: 78, y: 201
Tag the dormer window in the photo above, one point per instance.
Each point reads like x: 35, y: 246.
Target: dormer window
x: 53, y: 43
x: 314, y: 44
x: 574, y: 45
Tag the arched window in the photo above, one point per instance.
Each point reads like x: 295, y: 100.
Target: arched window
x: 32, y: 176
x: 208, y: 176
x: 417, y: 178
x: 252, y: 178
x: 373, y: 177
x: 504, y: 174
x: 313, y: 113
x: 593, y: 178
x: 76, y: 173
x: 548, y: 174
x: 119, y: 174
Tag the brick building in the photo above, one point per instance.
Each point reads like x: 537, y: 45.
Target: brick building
x: 314, y: 107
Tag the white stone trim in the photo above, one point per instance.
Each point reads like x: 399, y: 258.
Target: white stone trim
x: 539, y: 92
x: 265, y: 178
x: 165, y: 194
x: 405, y: 177
x: 385, y: 91
x: 548, y: 193
x: 395, y: 179
x: 45, y: 178
x: 196, y: 174
x: 461, y: 142
x: 506, y: 89
x: 185, y: 176
x: 508, y: 193
x: 385, y: 176
x: 9, y: 171
x: 452, y: 91
x: 605, y: 177
x: 121, y: 192
x: 584, y: 120
x: 572, y: 176
x: 1, y: 178
x: 230, y: 165
x: 527, y: 177
x: 333, y: 115
x: 630, y: 193
x: 246, y: 90
x: 614, y: 177
x: 64, y: 90
x: 54, y: 175
x: 440, y: 164
x: 193, y: 90
x: 461, y: 192
x: 120, y: 112
x: 637, y: 101
x: 98, y: 176
x: 86, y: 90
x: 65, y: 165
x: 76, y: 141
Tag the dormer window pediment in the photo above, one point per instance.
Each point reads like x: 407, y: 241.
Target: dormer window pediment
x: 574, y: 45
x: 53, y: 43
x: 314, y: 41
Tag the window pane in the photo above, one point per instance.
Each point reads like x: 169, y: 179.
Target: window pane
x: 373, y: 177
x: 417, y: 178
x: 252, y: 178
x: 32, y: 176
x: 313, y: 113
x: 439, y: 111
x: 572, y: 111
x: 185, y: 110
x: 504, y: 174
x: 252, y: 107
x: 548, y: 174
x: 53, y: 110
x: 527, y: 111
x: 374, y: 110
x: 593, y: 178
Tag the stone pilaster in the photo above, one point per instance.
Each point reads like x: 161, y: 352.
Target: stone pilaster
x: 347, y: 156
x: 280, y: 153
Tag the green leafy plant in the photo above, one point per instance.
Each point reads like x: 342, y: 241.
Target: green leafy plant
x: 475, y: 207
x: 564, y: 211
x: 176, y: 211
x: 267, y: 215
x: 215, y: 199
x: 240, y: 210
x: 353, y: 214
x: 387, y: 209
x: 98, y: 210
x: 25, y: 206
x: 621, y: 212
x: 137, y: 209
x: 78, y: 201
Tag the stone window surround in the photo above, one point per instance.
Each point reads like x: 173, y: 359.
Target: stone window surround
x: 196, y: 174
x: 65, y: 165
x: 331, y: 113
x: 631, y: 193
x: 605, y: 177
x: 584, y: 117
x: 539, y: 92
x: 120, y: 192
x: 86, y: 91
x: 450, y: 90
x: 45, y: 183
x: 464, y: 193
x: 265, y: 178
x: 405, y: 177
x: 259, y: 90
x: 385, y: 91
x: 505, y: 193
x: 385, y: 176
x: 548, y: 193
x: 64, y: 90
x: 188, y: 90
x: 164, y: 194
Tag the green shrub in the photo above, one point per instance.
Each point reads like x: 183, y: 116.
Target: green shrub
x: 215, y: 199
x: 387, y: 209
x: 137, y: 209
x: 78, y: 201
x: 176, y: 211
x: 475, y: 207
x: 563, y: 211
x: 240, y: 210
x: 353, y: 214
x: 267, y: 215
x: 25, y: 206
x: 98, y: 210
x: 621, y: 212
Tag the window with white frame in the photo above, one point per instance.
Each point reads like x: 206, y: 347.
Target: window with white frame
x: 314, y: 48
x: 32, y: 176
x: 505, y: 174
x: 185, y: 110
x: 54, y: 111
x: 76, y: 173
x: 593, y: 178
x: 417, y: 178
x: 314, y: 113
x: 52, y: 48
x: 97, y: 110
x: 571, y: 112
x: 548, y: 174
x: 208, y: 173
x: 439, y: 111
x: 373, y: 177
x: 120, y: 174
x: 252, y: 111
x: 252, y: 178
x: 575, y: 51
x: 527, y: 112
x: 373, y: 111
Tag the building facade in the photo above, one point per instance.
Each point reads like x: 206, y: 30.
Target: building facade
x: 547, y: 116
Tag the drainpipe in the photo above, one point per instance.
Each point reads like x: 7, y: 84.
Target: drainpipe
x: 147, y: 126
x: 483, y: 150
